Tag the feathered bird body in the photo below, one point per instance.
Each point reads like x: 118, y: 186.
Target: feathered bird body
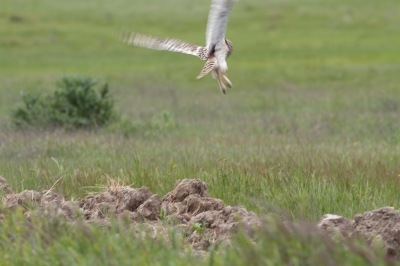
x: 217, y: 47
x: 220, y: 58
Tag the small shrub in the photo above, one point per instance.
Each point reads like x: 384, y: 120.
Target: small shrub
x: 77, y: 101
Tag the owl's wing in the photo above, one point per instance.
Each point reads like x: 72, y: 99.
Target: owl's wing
x: 217, y: 23
x: 163, y: 44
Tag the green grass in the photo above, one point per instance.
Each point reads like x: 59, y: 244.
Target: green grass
x: 52, y: 241
x: 311, y: 126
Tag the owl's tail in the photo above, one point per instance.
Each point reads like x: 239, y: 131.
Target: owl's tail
x: 208, y: 66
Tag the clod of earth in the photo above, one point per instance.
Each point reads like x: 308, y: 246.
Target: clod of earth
x: 382, y: 224
x: 203, y: 220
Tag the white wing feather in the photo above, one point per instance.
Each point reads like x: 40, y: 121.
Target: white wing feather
x: 217, y: 23
x: 163, y: 44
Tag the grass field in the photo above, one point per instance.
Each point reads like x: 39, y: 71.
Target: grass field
x: 311, y: 126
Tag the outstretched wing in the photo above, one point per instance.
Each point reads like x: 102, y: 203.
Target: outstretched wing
x: 217, y: 23
x: 163, y: 44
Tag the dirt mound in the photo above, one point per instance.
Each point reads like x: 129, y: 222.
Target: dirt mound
x: 335, y: 223
x: 47, y: 201
x: 202, y: 219
x: 191, y: 204
x: 118, y: 201
x: 383, y: 223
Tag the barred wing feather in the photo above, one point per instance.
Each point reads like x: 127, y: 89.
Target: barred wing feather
x: 172, y: 45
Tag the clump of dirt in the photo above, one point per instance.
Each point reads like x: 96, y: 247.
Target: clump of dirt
x: 335, y: 223
x: 117, y: 201
x: 191, y: 205
x: 46, y: 202
x: 202, y: 220
x: 382, y: 223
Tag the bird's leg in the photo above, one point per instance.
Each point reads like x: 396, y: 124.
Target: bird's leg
x: 228, y: 82
x: 220, y: 83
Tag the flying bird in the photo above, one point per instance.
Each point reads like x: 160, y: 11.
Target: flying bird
x: 217, y: 48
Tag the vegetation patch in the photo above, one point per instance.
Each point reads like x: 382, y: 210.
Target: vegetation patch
x: 76, y: 102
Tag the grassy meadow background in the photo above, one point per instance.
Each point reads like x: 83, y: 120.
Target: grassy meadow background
x: 311, y: 126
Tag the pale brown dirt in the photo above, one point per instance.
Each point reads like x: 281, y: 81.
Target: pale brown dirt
x: 202, y: 220
x: 382, y: 224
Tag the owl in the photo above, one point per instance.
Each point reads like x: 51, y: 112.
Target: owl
x: 217, y: 48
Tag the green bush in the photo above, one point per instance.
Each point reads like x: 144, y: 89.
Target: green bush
x: 77, y: 101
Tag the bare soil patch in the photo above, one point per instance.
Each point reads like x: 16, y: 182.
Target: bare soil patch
x: 382, y: 224
x: 203, y: 220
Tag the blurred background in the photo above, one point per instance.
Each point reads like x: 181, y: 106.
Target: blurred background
x: 318, y: 67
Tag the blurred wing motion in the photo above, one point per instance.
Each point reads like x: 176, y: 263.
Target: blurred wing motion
x: 172, y: 45
x: 217, y: 23
x: 217, y: 47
